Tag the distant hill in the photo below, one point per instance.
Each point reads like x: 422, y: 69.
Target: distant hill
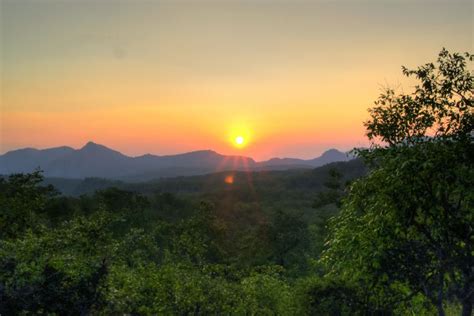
x: 27, y: 159
x: 331, y: 155
x: 280, y: 183
x: 94, y: 160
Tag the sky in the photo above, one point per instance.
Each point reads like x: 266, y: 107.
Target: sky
x: 293, y: 78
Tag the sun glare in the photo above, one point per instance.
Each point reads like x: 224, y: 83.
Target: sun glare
x: 239, y: 141
x: 239, y: 135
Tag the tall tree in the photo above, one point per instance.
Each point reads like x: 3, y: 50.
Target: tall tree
x: 409, y: 224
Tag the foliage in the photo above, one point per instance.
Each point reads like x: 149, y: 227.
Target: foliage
x: 440, y: 107
x: 60, y: 271
x: 408, y: 224
x: 22, y: 203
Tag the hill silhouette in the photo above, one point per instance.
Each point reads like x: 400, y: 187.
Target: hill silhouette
x: 95, y: 160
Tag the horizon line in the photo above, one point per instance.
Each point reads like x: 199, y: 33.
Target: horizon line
x: 347, y: 152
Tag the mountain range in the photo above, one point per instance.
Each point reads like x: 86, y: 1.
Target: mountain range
x: 95, y: 160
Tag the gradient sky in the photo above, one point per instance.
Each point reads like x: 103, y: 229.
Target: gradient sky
x: 163, y: 77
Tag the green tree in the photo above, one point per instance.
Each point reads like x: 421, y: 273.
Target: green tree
x: 327, y: 204
x: 334, y: 190
x: 22, y: 203
x: 289, y: 239
x: 60, y: 271
x: 408, y: 226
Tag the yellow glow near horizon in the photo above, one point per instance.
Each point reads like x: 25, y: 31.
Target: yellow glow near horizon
x: 167, y: 77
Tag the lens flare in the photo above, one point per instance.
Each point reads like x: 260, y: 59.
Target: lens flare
x: 229, y: 179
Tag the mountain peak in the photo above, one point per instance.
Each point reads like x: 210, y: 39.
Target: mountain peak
x: 332, y: 155
x: 94, y: 148
x: 90, y: 144
x: 332, y: 151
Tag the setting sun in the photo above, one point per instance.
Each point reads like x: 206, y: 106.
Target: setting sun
x: 239, y: 141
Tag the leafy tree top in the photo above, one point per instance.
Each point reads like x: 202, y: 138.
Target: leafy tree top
x: 441, y: 107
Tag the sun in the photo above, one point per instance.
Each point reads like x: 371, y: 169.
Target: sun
x: 239, y: 141
x: 239, y: 136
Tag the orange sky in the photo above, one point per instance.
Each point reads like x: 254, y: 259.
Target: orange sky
x: 166, y: 77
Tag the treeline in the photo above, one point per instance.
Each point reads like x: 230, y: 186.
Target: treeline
x: 122, y: 252
x: 396, y: 241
